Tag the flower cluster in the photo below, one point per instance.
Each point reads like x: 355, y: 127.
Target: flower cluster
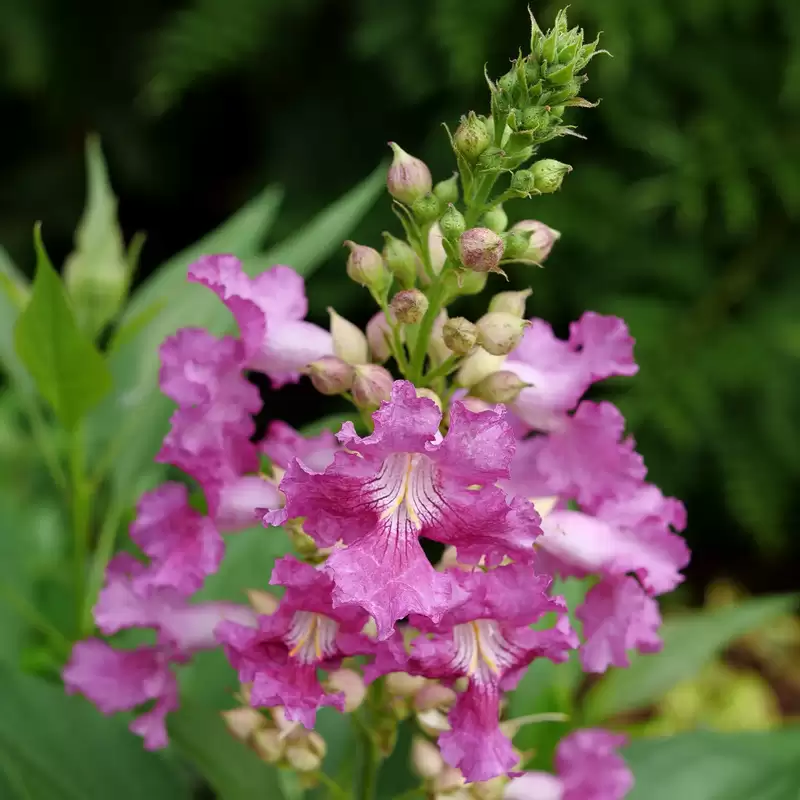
x: 507, y: 465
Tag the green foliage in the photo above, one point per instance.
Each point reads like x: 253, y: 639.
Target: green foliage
x: 690, y: 642
x: 717, y: 766
x: 68, y: 370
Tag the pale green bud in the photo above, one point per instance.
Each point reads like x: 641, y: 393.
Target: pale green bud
x: 476, y: 366
x: 447, y: 190
x: 496, y: 219
x: 471, y: 137
x: 401, y: 260
x: 427, y: 209
x: 365, y: 266
x: 426, y: 759
x: 349, y: 341
x: 511, y: 302
x: 351, y: 685
x: 499, y: 333
x: 460, y: 335
x: 549, y: 174
x: 502, y: 386
x: 452, y: 224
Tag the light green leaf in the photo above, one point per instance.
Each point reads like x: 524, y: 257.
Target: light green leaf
x: 134, y: 363
x: 61, y: 748
x: 690, y: 642
x: 67, y: 369
x: 14, y: 293
x: 234, y: 771
x: 717, y: 766
x: 97, y: 273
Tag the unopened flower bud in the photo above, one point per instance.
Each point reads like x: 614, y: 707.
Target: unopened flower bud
x: 499, y: 333
x: 349, y: 341
x: 301, y: 759
x: 471, y: 137
x: 427, y: 209
x: 434, y: 695
x: 408, y: 178
x: 400, y: 684
x: 429, y: 394
x: 316, y: 744
x: 447, y: 190
x: 262, y: 602
x: 433, y: 721
x: 243, y: 722
x: 436, y: 248
x: 460, y: 335
x: 426, y: 759
x: 516, y: 244
x: 541, y: 241
x: 438, y: 351
x: 401, y: 260
x: 511, y: 302
x: 379, y: 335
x: 502, y: 386
x: 409, y: 306
x: 331, y: 375
x: 476, y: 405
x: 452, y: 224
x: 481, y: 250
x: 476, y: 366
x: 496, y: 219
x: 372, y: 386
x: 365, y: 266
x: 269, y: 745
x: 351, y: 685
x: 449, y: 780
x: 492, y: 159
x: 548, y: 174
x: 523, y: 181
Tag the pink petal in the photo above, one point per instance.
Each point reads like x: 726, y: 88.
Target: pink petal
x: 590, y: 768
x: 283, y: 443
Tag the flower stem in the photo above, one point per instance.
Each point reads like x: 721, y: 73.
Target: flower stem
x: 436, y: 297
x: 334, y: 790
x: 81, y: 510
x: 443, y: 370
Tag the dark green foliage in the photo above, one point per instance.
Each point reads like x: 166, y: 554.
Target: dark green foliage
x: 680, y: 213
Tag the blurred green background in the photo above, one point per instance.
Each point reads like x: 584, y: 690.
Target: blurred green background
x: 680, y: 214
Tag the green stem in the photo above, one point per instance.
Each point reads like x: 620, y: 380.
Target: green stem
x: 43, y: 440
x: 81, y: 500
x: 443, y: 370
x: 436, y: 297
x: 334, y: 790
x: 371, y: 758
x: 416, y: 791
x: 102, y: 555
x: 35, y: 618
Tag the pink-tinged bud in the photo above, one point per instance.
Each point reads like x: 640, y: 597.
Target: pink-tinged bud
x: 243, y: 722
x: 349, y: 341
x: 499, y: 387
x: 263, y: 602
x: 372, y: 386
x: 331, y: 375
x: 436, y: 248
x: 400, y: 684
x: 379, y: 337
x: 460, y: 335
x: 476, y: 366
x: 481, y: 250
x: 408, y: 178
x: 301, y: 758
x: 409, y: 306
x: 426, y: 760
x: 543, y: 237
x: 499, y: 333
x: 365, y: 266
x: 475, y: 404
x: 351, y: 685
x: 511, y: 302
x: 434, y: 695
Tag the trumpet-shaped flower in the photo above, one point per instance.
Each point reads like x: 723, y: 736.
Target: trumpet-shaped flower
x: 404, y: 481
x: 269, y: 310
x: 283, y: 443
x: 489, y: 641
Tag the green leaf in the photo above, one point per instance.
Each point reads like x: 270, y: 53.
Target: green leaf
x: 97, y: 273
x: 717, y: 766
x: 61, y: 748
x: 690, y: 642
x: 67, y: 369
x: 14, y: 293
x: 234, y: 771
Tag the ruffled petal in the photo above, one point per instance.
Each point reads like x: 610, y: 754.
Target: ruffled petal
x: 605, y: 345
x: 590, y: 768
x: 283, y: 443
x: 617, y: 616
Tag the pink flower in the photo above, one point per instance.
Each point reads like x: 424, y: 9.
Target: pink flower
x: 184, y: 546
x: 269, y: 310
x: 402, y: 482
x: 121, y: 680
x: 560, y: 372
x: 588, y: 768
x: 585, y: 458
x: 283, y: 443
x: 306, y: 633
x: 488, y: 640
x: 617, y: 616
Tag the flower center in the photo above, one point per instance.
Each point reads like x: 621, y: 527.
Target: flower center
x: 404, y: 491
x: 311, y: 637
x: 482, y: 652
